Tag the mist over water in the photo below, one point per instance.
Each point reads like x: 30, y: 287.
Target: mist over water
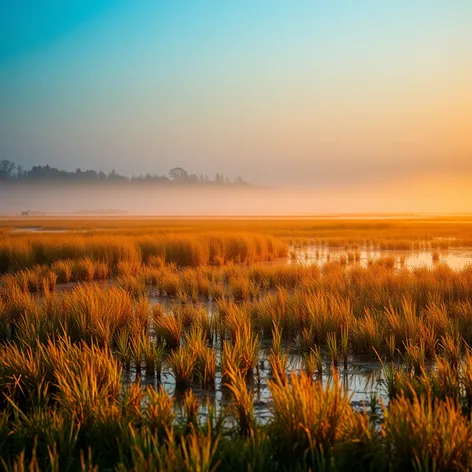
x: 249, y: 200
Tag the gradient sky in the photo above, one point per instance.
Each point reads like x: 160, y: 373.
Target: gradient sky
x: 314, y: 93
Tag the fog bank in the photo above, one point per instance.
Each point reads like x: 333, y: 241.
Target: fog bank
x: 433, y: 195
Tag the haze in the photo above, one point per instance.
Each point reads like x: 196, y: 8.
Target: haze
x: 347, y: 106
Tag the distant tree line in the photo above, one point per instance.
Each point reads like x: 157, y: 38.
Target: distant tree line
x: 11, y: 172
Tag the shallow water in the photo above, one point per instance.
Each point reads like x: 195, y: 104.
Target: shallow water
x: 37, y: 230
x: 456, y: 258
x: 362, y: 380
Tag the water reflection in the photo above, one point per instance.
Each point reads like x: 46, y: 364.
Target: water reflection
x: 455, y: 258
x: 362, y: 380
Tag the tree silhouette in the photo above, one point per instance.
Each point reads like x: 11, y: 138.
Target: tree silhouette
x: 177, y: 173
x: 9, y: 171
x: 6, y: 169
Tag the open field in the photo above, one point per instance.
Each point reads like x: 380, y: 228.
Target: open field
x: 236, y: 344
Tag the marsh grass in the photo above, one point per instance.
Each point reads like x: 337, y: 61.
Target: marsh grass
x: 332, y: 343
x: 428, y: 435
x: 125, y: 252
x: 74, y: 375
x: 415, y: 357
x: 451, y: 349
x: 124, y: 350
x: 158, y: 412
x: 191, y: 405
x: 278, y: 359
x: 245, y: 350
x: 243, y: 406
x: 85, y: 269
x: 65, y: 406
x: 196, y: 340
x: 169, y: 329
x: 307, y: 416
x: 182, y: 362
x: 313, y: 362
x: 153, y: 354
x: 345, y: 345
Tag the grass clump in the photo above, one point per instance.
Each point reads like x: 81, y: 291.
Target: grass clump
x: 428, y: 435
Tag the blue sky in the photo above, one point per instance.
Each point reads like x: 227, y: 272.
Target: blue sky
x: 309, y: 92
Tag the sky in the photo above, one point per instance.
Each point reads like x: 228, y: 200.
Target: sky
x: 316, y: 94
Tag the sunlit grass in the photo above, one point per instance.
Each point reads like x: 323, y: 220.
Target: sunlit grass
x: 84, y: 369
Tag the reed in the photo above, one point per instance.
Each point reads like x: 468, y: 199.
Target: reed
x: 278, y: 360
x: 205, y: 357
x: 22, y: 374
x: 332, y: 344
x: 246, y: 345
x: 451, y: 348
x: 243, y: 398
x: 368, y: 333
x: 191, y: 405
x: 75, y: 376
x: 182, y: 363
x: 313, y: 362
x: 121, y: 251
x: 446, y: 382
x: 345, y: 345
x: 85, y: 269
x: 102, y: 271
x: 88, y: 377
x: 466, y: 381
x: 137, y: 347
x: 391, y: 347
x: 307, y: 416
x: 153, y: 353
x: 415, y: 356
x: 158, y: 412
x: 132, y: 285
x: 190, y: 315
x: 316, y: 308
x: 243, y: 353
x: 169, y: 328
x: 427, y: 434
x: 199, y: 451
x: 124, y: 350
x: 95, y: 314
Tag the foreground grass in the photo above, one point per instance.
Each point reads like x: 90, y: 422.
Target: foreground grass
x: 64, y: 408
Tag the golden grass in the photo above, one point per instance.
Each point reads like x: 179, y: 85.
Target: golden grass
x: 428, y: 435
x: 62, y: 353
x: 182, y: 362
x: 122, y: 252
x: 307, y: 416
x: 243, y: 406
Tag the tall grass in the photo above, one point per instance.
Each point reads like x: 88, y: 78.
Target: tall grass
x: 76, y: 376
x: 205, y: 356
x: 25, y: 250
x: 307, y: 416
x: 243, y: 405
x: 278, y: 359
x: 428, y: 435
x: 242, y: 353
x: 182, y: 363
